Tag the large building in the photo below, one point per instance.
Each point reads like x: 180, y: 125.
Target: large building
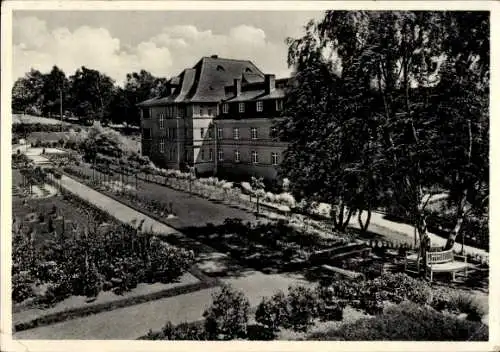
x: 218, y: 118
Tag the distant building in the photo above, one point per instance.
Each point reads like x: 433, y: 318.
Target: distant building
x: 218, y: 118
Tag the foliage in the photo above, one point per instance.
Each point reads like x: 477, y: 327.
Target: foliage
x: 457, y: 303
x: 299, y: 308
x: 371, y: 295
x: 227, y: 317
x: 84, y: 262
x: 183, y: 331
x: 88, y: 94
x: 366, y: 124
x: 408, y: 322
x: 272, y: 312
x: 22, y: 286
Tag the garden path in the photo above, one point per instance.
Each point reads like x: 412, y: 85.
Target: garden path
x: 133, y: 322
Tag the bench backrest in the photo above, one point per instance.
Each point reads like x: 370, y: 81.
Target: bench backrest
x: 440, y: 257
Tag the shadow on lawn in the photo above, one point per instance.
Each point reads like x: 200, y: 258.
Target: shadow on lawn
x: 266, y: 247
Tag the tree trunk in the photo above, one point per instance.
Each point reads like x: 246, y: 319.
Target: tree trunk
x: 364, y: 226
x: 458, y: 224
x: 421, y: 227
x: 461, y: 205
x: 339, y: 221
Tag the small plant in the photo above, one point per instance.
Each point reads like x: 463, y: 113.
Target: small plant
x: 227, y: 317
x: 272, y: 312
x: 408, y: 322
x: 302, y: 308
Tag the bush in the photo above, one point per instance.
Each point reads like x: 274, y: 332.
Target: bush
x: 457, y: 303
x: 408, y: 322
x: 370, y: 295
x: 168, y: 263
x: 183, y: 331
x: 227, y: 318
x: 302, y: 308
x: 21, y: 287
x: 272, y: 312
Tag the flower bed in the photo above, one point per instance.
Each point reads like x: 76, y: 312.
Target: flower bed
x: 263, y: 246
x: 87, y: 263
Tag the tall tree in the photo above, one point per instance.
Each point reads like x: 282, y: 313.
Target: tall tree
x: 55, y: 86
x: 91, y: 92
x: 328, y: 133
x: 384, y: 105
x: 27, y: 92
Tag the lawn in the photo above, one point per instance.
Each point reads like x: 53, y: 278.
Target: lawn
x: 72, y: 302
x: 190, y: 210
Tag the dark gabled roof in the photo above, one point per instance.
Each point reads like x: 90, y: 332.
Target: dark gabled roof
x: 188, y: 77
x: 211, y: 79
x: 252, y: 78
x: 256, y: 95
x: 149, y: 102
x: 245, y: 96
x: 207, y: 81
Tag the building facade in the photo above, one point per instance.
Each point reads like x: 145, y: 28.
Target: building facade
x: 218, y: 118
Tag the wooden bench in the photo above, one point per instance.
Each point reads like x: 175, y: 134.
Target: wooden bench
x: 442, y: 262
x: 437, y: 262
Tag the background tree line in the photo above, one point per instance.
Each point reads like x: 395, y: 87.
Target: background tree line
x: 387, y: 107
x: 86, y: 94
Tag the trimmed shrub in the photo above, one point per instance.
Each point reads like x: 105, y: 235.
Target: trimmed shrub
x: 183, y: 331
x: 21, y: 287
x: 408, y: 322
x: 272, y: 312
x: 457, y: 303
x: 302, y: 308
x: 227, y: 317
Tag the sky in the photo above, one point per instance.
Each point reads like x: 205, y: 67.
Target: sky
x: 161, y: 42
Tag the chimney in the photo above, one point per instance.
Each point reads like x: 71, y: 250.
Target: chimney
x: 214, y: 56
x: 237, y: 86
x: 270, y: 83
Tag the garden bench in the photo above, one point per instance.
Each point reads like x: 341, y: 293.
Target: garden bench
x: 439, y: 262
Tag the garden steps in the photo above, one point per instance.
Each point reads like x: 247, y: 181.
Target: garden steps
x: 338, y: 252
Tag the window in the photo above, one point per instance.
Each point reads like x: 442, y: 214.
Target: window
x: 171, y: 133
x: 237, y: 156
x: 202, y: 112
x: 260, y: 106
x: 202, y: 154
x: 253, y: 133
x: 241, y: 107
x: 210, y: 133
x: 273, y: 132
x: 162, y: 120
x: 196, y: 110
x: 146, y: 133
x: 279, y: 105
x: 225, y: 108
x: 236, y: 133
x: 210, y: 154
x: 186, y: 132
x: 219, y: 133
x: 145, y: 114
x: 274, y: 158
x: 182, y: 111
x: 202, y: 132
x: 255, y: 157
x: 172, y: 154
x: 162, y: 145
x: 220, y: 155
x: 209, y: 112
